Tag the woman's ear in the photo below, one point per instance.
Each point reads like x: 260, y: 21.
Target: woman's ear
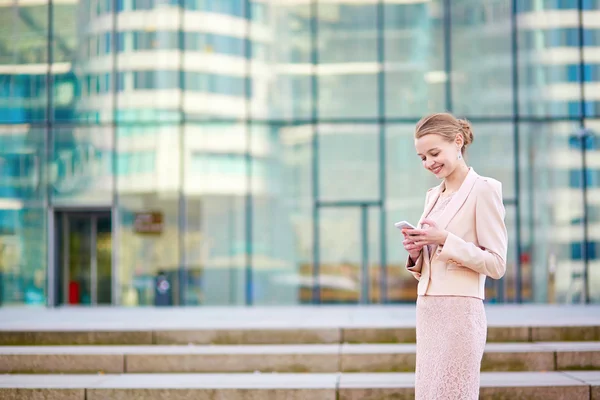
x: 459, y: 141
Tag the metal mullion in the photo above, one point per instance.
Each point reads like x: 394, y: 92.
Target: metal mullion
x: 295, y: 122
x: 182, y: 270
x: 94, y: 259
x: 249, y: 296
x: 448, y: 52
x: 115, y: 215
x: 346, y: 204
x: 365, y: 282
x: 516, y: 152
x: 316, y: 295
x: 48, y: 141
x: 583, y: 139
x: 66, y: 258
x: 382, y: 155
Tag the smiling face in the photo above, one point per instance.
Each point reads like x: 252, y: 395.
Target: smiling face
x: 439, y: 156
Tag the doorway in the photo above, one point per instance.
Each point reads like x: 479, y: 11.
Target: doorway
x: 349, y: 254
x: 84, y: 258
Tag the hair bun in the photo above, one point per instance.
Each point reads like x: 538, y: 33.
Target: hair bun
x: 467, y: 131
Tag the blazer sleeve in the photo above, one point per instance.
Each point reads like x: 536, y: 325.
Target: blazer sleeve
x: 489, y: 258
x: 414, y: 267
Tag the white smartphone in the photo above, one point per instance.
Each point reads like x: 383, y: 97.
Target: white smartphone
x: 404, y: 224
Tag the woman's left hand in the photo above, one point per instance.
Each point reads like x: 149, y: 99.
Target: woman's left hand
x: 430, y: 235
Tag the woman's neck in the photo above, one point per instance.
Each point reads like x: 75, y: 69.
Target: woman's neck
x: 453, y: 181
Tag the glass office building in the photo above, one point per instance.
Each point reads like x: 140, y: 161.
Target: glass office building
x: 258, y: 152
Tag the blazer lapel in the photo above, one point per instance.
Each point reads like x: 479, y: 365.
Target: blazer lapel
x: 458, y: 199
x: 435, y: 193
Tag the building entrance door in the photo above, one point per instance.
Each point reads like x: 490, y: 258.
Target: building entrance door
x: 84, y: 267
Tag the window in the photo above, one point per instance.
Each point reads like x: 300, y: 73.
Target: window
x: 121, y: 42
x: 143, y: 4
x: 591, y: 142
x: 143, y: 80
x: 214, y: 43
x: 213, y: 83
x: 558, y: 37
x: 219, y: 164
x: 537, y: 5
x: 120, y: 81
x: 592, y: 177
x: 577, y: 250
x: 107, y: 43
x: 142, y: 162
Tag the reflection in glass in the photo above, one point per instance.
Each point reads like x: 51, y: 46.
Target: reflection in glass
x: 22, y: 215
x: 347, y: 73
x: 592, y: 174
x: 147, y: 249
x: 215, y: 250
x: 348, y: 162
x: 406, y: 185
x: 291, y: 91
x: 340, y: 254
x: 481, y: 57
x: 590, y: 65
x: 553, y: 210
x: 82, y: 159
x: 492, y: 154
x: 591, y: 77
x: 414, y: 58
x: 148, y: 172
x: 549, y: 61
x: 215, y: 189
x: 281, y: 213
x: 22, y: 246
x: 504, y: 290
x: 23, y: 59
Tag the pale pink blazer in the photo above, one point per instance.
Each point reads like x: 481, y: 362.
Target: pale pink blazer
x: 476, y: 246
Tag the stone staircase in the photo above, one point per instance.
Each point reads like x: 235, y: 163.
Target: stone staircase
x: 360, y: 360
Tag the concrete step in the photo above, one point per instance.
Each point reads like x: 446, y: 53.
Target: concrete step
x: 279, y: 325
x: 541, y: 356
x: 290, y: 335
x: 347, y: 386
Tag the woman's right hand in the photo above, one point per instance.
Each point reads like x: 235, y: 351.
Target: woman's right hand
x: 414, y: 251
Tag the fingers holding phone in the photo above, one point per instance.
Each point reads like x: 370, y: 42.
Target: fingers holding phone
x: 413, y: 249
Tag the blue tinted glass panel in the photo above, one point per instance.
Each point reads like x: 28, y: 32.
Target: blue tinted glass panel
x: 574, y: 108
x: 577, y: 250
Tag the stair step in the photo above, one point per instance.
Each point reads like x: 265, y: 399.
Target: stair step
x: 279, y: 325
x: 541, y: 356
x: 346, y: 386
x: 291, y: 335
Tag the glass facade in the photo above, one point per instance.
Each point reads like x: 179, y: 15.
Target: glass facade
x: 258, y: 152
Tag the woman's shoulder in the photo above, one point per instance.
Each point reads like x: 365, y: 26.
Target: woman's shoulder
x: 489, y: 185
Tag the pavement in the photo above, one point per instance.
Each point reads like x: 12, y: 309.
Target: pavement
x: 301, y: 317
x: 284, y: 380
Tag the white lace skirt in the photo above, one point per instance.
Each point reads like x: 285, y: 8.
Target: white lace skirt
x: 451, y: 335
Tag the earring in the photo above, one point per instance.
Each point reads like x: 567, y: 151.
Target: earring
x: 459, y: 155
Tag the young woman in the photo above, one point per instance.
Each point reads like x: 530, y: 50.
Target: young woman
x: 461, y: 239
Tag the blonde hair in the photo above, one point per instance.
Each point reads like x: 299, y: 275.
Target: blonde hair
x: 447, y: 126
